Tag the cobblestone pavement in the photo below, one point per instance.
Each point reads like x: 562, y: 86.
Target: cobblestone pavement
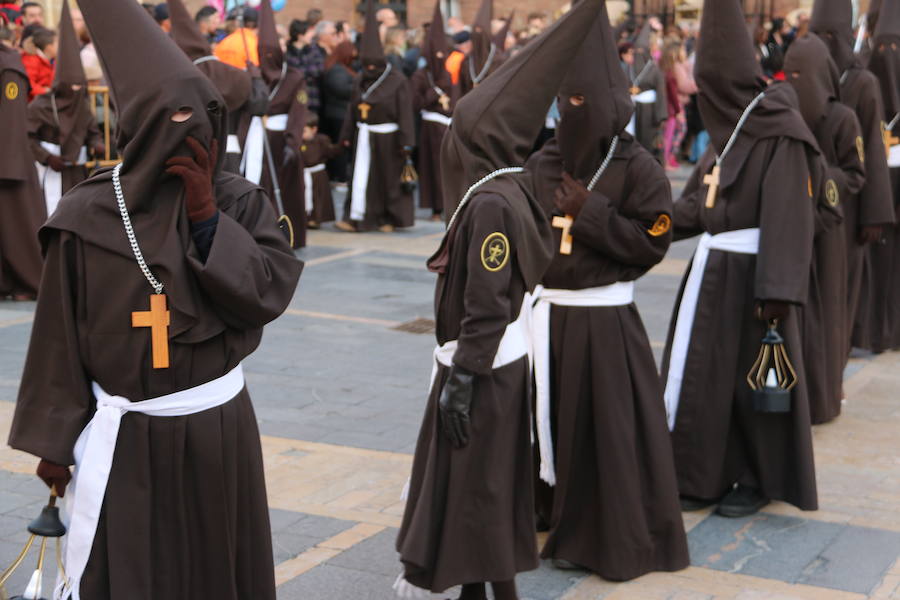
x: 339, y: 388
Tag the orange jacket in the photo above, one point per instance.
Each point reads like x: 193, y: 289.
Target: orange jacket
x: 40, y: 74
x: 454, y: 64
x: 232, y: 50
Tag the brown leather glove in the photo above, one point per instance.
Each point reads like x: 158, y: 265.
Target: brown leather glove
x: 99, y: 150
x: 570, y: 196
x: 56, y: 163
x: 768, y: 310
x: 54, y: 475
x: 197, y: 174
x: 870, y: 234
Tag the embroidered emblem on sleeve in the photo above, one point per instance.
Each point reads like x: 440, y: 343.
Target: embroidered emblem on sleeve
x: 809, y: 189
x: 861, y: 149
x: 661, y: 227
x: 495, y: 252
x: 302, y: 97
x: 12, y: 90
x: 832, y: 196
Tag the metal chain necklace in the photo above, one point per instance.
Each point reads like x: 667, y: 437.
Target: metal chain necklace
x: 478, y: 184
x: 129, y: 231
x: 387, y: 71
x: 604, y: 164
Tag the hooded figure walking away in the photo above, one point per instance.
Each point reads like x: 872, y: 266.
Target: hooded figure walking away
x: 22, y: 210
x: 244, y: 92
x: 752, y: 202
x: 485, y: 57
x: 284, y: 124
x: 380, y: 125
x: 867, y: 215
x: 61, y: 128
x: 469, y: 517
x: 433, y: 97
x: 170, y: 507
x: 614, y: 508
x: 648, y: 91
x: 878, y: 319
x: 826, y: 335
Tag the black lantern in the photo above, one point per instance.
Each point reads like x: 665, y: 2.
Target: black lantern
x: 47, y: 525
x: 772, y: 376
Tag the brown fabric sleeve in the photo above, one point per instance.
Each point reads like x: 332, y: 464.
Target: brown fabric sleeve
x: 876, y: 202
x: 686, y: 214
x: 293, y: 134
x: 405, y: 116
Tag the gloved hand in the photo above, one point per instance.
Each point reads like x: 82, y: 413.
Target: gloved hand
x: 570, y: 196
x: 288, y: 158
x: 455, y: 403
x: 56, y: 163
x: 870, y: 234
x: 99, y: 150
x: 54, y: 475
x: 197, y: 174
x: 768, y: 310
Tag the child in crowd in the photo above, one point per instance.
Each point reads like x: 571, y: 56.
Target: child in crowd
x: 316, y: 150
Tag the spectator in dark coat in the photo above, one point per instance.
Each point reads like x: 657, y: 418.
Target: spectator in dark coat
x: 337, y: 87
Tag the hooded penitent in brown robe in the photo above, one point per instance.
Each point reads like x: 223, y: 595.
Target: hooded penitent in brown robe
x: 61, y: 128
x: 245, y: 95
x: 614, y: 507
x: 469, y: 517
x: 878, y: 318
x: 316, y: 152
x: 767, y: 181
x: 433, y: 97
x: 873, y: 208
x: 380, y: 101
x: 826, y: 335
x: 284, y: 124
x: 485, y: 57
x: 649, y: 108
x: 185, y: 512
x: 22, y: 208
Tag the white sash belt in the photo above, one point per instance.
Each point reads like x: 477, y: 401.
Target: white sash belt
x: 361, y: 165
x: 51, y: 180
x: 308, y: 184
x: 617, y: 294
x: 233, y: 144
x: 434, y: 117
x: 742, y: 241
x: 94, y: 452
x: 894, y: 157
x: 645, y: 97
x: 276, y: 122
x: 252, y: 161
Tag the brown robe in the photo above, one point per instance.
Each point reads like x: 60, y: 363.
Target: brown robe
x: 718, y: 438
x: 22, y: 209
x: 614, y: 508
x: 169, y: 540
x: 316, y: 152
x: 649, y: 117
x: 825, y: 321
x: 431, y: 134
x: 467, y: 81
x: 386, y: 201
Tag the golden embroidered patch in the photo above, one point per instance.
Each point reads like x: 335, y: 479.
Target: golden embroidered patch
x: 12, y: 90
x: 495, y: 252
x: 861, y: 149
x: 661, y: 227
x: 302, y: 97
x: 303, y: 148
x: 832, y: 196
x: 809, y: 186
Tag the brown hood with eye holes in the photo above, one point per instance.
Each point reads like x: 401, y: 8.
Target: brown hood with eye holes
x: 885, y: 59
x: 436, y: 49
x: 813, y: 75
x: 832, y: 20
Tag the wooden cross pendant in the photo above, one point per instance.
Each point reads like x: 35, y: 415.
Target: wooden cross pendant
x: 712, y: 180
x: 157, y: 319
x: 364, y: 108
x: 444, y: 101
x: 889, y: 141
x: 634, y: 91
x: 564, y: 223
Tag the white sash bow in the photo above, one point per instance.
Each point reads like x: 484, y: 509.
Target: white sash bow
x: 252, y: 160
x: 308, y: 184
x: 51, y: 180
x: 362, y: 163
x: 435, y: 117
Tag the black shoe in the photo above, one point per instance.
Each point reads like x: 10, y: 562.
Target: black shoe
x: 689, y: 504
x: 541, y: 524
x: 565, y: 565
x: 742, y: 501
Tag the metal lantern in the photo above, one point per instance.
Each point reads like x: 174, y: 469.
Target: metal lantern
x: 772, y: 376
x: 47, y: 525
x: 409, y: 179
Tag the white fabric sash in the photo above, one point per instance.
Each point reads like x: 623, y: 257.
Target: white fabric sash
x: 94, y: 453
x: 742, y: 241
x: 276, y: 122
x: 308, y: 184
x: 361, y: 165
x: 435, y: 117
x: 894, y: 157
x: 51, y: 180
x: 646, y: 97
x: 232, y: 144
x: 616, y: 294
x: 254, y: 146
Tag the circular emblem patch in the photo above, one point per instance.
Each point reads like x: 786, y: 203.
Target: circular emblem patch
x: 861, y: 149
x: 661, y: 227
x: 495, y: 252
x: 12, y: 90
x: 832, y: 196
x: 302, y: 97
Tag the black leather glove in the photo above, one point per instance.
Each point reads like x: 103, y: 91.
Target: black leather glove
x: 54, y: 475
x: 870, y: 234
x: 56, y: 163
x: 768, y: 310
x: 570, y: 196
x: 455, y: 403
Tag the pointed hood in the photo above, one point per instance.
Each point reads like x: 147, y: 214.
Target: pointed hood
x: 232, y: 83
x: 813, y: 75
x: 832, y: 21
x: 436, y: 49
x: 499, y: 38
x: 585, y: 132
x: 641, y: 45
x: 271, y: 57
x: 885, y: 59
x: 872, y: 16
x: 69, y: 70
x: 482, y: 40
x: 371, y: 52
